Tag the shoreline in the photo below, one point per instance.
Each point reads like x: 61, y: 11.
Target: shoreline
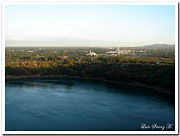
x: 134, y: 84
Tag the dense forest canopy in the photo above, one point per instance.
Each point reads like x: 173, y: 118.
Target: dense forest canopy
x: 149, y: 65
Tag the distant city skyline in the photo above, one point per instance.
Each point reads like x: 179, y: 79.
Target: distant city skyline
x: 89, y: 25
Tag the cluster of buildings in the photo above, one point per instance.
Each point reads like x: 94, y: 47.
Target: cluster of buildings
x: 122, y: 52
x: 118, y: 52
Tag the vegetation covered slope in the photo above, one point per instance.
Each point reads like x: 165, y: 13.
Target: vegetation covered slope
x: 121, y: 68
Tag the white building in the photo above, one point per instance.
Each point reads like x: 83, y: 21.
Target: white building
x: 91, y: 53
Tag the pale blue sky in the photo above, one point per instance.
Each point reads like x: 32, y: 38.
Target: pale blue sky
x: 132, y: 25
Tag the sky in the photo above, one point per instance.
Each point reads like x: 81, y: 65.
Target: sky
x: 89, y: 25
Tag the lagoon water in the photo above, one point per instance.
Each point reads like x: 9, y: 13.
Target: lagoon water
x: 55, y: 104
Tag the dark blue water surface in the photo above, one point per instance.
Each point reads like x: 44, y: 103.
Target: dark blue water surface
x: 55, y: 104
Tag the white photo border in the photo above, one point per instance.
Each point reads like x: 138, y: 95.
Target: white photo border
x: 93, y: 2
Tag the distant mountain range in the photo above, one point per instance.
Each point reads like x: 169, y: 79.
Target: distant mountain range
x: 160, y: 46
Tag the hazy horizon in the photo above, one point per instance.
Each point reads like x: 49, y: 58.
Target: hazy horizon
x: 92, y: 25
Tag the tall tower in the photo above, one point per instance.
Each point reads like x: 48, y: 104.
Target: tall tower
x: 118, y: 48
